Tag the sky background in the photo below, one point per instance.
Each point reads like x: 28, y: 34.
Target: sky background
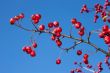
x: 12, y: 39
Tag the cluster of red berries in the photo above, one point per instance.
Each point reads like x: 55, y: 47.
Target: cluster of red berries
x: 56, y: 30
x: 107, y: 3
x: 30, y: 50
x: 85, y: 58
x: 35, y: 18
x: 105, y: 34
x: 78, y: 70
x: 99, y: 10
x: 99, y: 67
x: 58, y: 61
x: 16, y: 18
x: 78, y: 25
x: 84, y: 9
x: 107, y: 61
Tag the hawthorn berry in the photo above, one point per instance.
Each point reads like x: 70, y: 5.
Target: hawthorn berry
x: 28, y: 49
x: 53, y: 37
x: 79, y: 52
x: 24, y: 48
x: 41, y: 27
x: 56, y: 24
x: 21, y: 15
x: 78, y: 25
x: 73, y: 21
x: 105, y: 28
x: 38, y: 16
x: 85, y: 61
x: 33, y: 53
x: 59, y: 29
x: 101, y: 35
x: 107, y: 39
x: 58, y: 42
x: 34, y: 44
x: 12, y: 21
x: 58, y: 34
x: 35, y: 21
x: 17, y: 18
x: 58, y: 61
x: 81, y: 33
x: 86, y: 56
x: 33, y: 17
x: 50, y: 25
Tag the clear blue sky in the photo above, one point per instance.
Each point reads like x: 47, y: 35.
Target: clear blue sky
x: 12, y: 39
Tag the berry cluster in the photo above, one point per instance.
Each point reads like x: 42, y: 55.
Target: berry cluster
x: 78, y: 70
x: 35, y: 18
x: 16, y: 18
x: 30, y: 50
x: 99, y: 9
x: 85, y: 58
x: 99, y: 67
x: 84, y: 9
x: 78, y: 25
x: 56, y: 30
x: 105, y: 34
x: 107, y: 61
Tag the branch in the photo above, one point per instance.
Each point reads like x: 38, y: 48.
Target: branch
x: 70, y: 37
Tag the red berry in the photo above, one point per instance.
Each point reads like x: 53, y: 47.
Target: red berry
x: 53, y: 37
x: 82, y: 28
x: 41, y: 27
x: 72, y: 71
x: 33, y: 17
x: 105, y: 28
x: 34, y: 44
x: 85, y: 61
x: 33, y: 53
x: 79, y: 52
x: 107, y: 39
x: 35, y: 21
x: 78, y: 25
x: 81, y: 33
x: 101, y: 35
x: 78, y: 70
x: 58, y: 34
x: 73, y: 21
x: 24, y: 48
x: 59, y: 29
x: 21, y: 15
x: 85, y: 56
x: 16, y: 17
x: 12, y: 21
x: 28, y: 49
x: 56, y: 24
x: 58, y: 61
x: 54, y: 30
x: 58, y: 42
x: 38, y: 16
x: 50, y: 25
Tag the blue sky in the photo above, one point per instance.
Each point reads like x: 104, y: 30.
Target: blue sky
x: 12, y: 39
